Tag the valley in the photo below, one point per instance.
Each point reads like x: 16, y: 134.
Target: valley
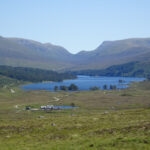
x: 75, y: 75
x: 102, y: 119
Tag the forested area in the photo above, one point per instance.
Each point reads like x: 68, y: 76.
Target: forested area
x: 33, y: 74
x: 132, y: 69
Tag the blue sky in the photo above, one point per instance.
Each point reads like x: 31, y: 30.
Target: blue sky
x: 75, y: 24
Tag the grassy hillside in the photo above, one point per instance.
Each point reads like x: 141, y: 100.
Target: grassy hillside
x: 108, y: 120
x: 6, y: 81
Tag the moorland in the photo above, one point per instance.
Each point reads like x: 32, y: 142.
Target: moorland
x: 104, y: 120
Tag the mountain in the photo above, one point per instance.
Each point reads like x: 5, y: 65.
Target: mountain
x: 20, y: 52
x: 116, y: 52
x: 29, y: 53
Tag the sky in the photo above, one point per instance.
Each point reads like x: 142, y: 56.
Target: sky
x: 75, y: 24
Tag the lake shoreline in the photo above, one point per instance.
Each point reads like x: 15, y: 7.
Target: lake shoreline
x: 85, y: 83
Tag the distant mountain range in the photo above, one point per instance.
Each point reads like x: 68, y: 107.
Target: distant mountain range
x: 28, y: 53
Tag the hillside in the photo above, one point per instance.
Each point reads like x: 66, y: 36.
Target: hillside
x: 28, y: 53
x: 131, y: 69
x: 33, y: 74
x: 116, y: 52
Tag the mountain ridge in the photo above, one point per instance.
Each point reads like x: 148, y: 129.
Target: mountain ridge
x: 19, y: 52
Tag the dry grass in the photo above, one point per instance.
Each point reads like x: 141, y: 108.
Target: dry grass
x: 104, y: 120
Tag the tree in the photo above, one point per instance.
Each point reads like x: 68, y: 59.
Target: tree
x: 120, y: 81
x: 73, y: 87
x: 148, y: 77
x: 63, y: 88
x: 56, y: 88
x: 72, y: 104
x: 105, y: 87
x: 113, y: 87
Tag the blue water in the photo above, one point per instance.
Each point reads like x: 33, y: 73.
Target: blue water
x: 64, y: 107
x: 85, y: 83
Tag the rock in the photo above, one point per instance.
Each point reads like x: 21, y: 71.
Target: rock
x: 12, y: 91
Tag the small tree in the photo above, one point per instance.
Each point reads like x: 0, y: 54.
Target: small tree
x: 105, y: 87
x: 63, y: 88
x: 148, y: 77
x: 72, y: 104
x: 120, y: 81
x: 113, y: 87
x: 56, y: 88
x: 73, y: 87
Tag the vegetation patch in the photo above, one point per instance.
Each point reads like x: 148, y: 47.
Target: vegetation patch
x: 131, y: 69
x: 33, y: 74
